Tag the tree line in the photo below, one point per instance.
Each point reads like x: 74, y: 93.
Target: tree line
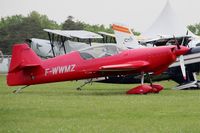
x: 17, y: 28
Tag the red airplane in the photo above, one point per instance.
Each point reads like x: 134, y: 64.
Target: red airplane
x: 26, y: 68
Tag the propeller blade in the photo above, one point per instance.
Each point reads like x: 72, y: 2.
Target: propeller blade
x: 177, y: 43
x: 183, y: 40
x: 182, y: 65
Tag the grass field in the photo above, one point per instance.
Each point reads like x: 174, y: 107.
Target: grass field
x: 60, y: 108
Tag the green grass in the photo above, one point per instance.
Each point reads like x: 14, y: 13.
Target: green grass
x: 60, y: 108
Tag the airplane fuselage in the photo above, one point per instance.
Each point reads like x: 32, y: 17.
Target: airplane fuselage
x: 73, y: 67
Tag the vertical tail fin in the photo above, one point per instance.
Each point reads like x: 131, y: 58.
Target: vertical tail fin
x: 23, y: 58
x: 124, y: 36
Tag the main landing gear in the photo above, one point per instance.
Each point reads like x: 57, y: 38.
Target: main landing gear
x: 86, y: 82
x: 19, y: 89
x: 144, y: 88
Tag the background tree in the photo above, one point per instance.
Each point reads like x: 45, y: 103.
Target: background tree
x: 17, y: 28
x: 70, y: 24
x: 195, y: 28
x: 97, y: 28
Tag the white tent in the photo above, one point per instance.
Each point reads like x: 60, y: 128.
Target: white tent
x: 167, y: 24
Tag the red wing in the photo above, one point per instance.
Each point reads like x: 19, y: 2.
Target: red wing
x: 124, y: 67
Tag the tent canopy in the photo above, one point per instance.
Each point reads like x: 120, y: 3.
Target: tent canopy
x: 167, y: 24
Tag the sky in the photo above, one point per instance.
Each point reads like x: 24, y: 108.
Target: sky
x: 138, y: 14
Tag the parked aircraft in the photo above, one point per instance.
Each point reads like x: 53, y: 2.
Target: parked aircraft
x: 62, y: 41
x: 124, y: 36
x: 65, y: 41
x: 92, y: 62
x: 192, y: 60
x: 44, y: 49
x: 4, y: 63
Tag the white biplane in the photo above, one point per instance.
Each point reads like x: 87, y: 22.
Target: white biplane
x: 62, y: 42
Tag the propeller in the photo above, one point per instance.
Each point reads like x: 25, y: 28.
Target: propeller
x: 182, y: 65
x: 177, y: 43
x: 181, y: 58
x: 183, y: 40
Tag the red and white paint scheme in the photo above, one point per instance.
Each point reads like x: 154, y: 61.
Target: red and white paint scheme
x: 26, y: 68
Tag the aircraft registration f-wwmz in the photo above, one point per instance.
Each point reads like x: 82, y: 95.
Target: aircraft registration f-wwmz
x: 27, y: 68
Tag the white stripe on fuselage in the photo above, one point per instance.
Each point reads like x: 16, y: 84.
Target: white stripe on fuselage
x: 188, y: 59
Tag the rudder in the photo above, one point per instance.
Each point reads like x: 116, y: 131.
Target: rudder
x: 124, y: 36
x: 23, y: 58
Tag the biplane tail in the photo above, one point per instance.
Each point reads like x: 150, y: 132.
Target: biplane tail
x: 23, y: 59
x: 124, y: 36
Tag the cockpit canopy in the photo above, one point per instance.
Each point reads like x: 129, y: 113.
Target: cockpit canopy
x: 101, y: 51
